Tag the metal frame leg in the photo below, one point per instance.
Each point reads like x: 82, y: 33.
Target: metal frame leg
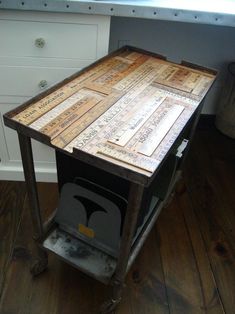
x: 134, y: 204
x: 40, y: 262
x: 192, y: 131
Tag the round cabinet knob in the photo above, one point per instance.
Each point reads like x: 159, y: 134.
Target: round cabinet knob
x: 40, y: 42
x: 42, y: 84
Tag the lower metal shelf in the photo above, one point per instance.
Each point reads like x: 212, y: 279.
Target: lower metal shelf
x: 86, y: 258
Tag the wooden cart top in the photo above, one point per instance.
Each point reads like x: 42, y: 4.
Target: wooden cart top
x: 122, y: 113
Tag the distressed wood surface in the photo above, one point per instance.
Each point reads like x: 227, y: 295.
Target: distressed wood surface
x: 185, y: 266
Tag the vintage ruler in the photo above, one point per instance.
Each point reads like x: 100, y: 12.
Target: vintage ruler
x: 118, y: 110
x: 157, y: 134
x: 63, y: 107
x: 37, y: 109
x: 98, y: 131
x: 68, y: 117
x: 153, y: 122
x: 151, y: 65
x: 105, y: 82
x: 185, y: 79
x: 172, y: 135
x: 133, y: 55
x: 202, y: 86
x: 121, y: 154
x: 135, y: 119
x: 67, y: 135
x: 128, y: 109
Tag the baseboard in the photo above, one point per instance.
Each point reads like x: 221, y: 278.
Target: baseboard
x: 15, y: 173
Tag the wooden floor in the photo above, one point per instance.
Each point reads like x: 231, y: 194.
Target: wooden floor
x: 187, y: 265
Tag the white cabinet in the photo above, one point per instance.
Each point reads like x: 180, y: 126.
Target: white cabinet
x: 36, y: 51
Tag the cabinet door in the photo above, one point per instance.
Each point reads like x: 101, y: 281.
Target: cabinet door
x: 37, y: 50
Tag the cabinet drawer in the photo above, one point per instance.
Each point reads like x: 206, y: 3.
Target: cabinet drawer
x: 37, y: 50
x: 29, y: 81
x: 48, y: 39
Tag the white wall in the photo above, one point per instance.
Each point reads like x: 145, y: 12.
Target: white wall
x: 207, y: 45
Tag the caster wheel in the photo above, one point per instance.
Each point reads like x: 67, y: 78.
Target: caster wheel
x: 38, y: 266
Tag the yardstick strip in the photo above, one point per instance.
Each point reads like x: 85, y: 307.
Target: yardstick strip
x: 152, y: 124
x: 192, y: 80
x: 51, y: 114
x: 133, y: 55
x: 179, y: 94
x: 93, y: 72
x: 119, y: 153
x: 125, y: 53
x: 116, y: 112
x: 64, y: 105
x: 65, y: 119
x: 172, y: 135
x: 151, y: 65
x: 106, y: 81
x: 135, y: 120
x: 124, y: 60
x: 187, y: 80
x: 65, y: 137
x: 202, y: 85
x: 108, y: 123
x: 34, y: 111
x: 156, y: 136
x: 175, y: 77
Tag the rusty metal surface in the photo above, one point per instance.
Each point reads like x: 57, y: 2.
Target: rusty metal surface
x: 90, y: 260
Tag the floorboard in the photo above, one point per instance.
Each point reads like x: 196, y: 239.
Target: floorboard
x: 212, y: 196
x: 186, y: 266
x: 179, y: 264
x: 212, y: 303
x: 12, y: 197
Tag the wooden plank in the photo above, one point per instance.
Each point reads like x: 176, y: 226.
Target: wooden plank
x: 214, y: 212
x: 146, y: 290
x: 11, y: 204
x: 179, y: 265
x: 211, y: 297
x: 24, y: 294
